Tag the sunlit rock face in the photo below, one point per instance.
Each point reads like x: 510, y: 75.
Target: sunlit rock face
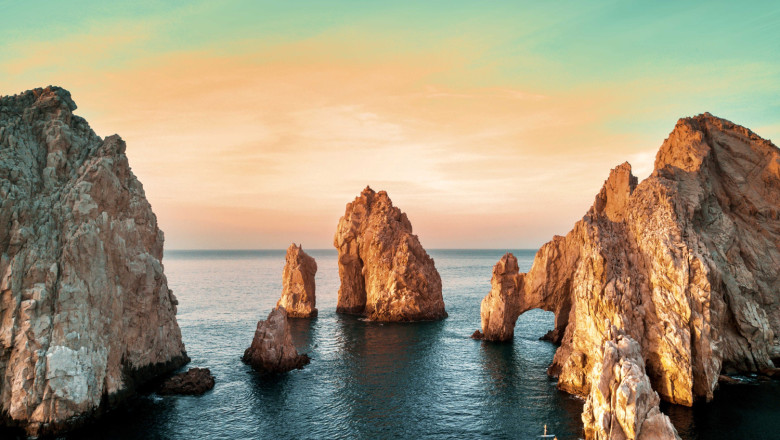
x: 85, y: 310
x: 621, y: 404
x: 272, y: 349
x: 298, y: 296
x: 685, y: 262
x: 385, y: 273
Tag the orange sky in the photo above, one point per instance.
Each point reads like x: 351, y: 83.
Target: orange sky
x: 258, y: 142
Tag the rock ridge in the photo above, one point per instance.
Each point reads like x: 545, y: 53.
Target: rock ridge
x: 685, y: 263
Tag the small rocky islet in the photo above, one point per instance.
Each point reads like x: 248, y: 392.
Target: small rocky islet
x: 662, y: 288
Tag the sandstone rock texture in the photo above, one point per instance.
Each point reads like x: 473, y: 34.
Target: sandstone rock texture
x: 298, y: 284
x: 85, y: 310
x: 685, y: 262
x: 272, y: 349
x: 622, y: 404
x: 385, y: 273
x: 194, y: 382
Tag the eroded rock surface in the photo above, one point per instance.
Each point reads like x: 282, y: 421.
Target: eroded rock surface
x: 194, y: 382
x: 385, y: 273
x: 272, y: 349
x: 85, y: 310
x: 622, y: 404
x: 685, y: 262
x: 298, y: 297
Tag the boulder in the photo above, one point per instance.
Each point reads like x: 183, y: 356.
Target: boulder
x: 272, y: 349
x: 194, y: 382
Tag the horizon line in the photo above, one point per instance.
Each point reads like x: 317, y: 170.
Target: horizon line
x: 334, y: 249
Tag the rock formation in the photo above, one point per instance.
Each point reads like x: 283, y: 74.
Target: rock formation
x: 385, y: 273
x: 298, y: 284
x: 194, y: 382
x: 272, y: 349
x: 685, y: 262
x: 85, y: 310
x: 622, y: 404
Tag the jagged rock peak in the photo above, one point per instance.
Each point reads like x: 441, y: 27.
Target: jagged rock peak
x: 298, y: 288
x: 613, y: 197
x: 85, y: 311
x: 622, y: 405
x: 272, y: 349
x: 684, y: 262
x: 385, y: 273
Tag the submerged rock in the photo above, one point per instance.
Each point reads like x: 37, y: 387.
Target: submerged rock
x: 385, y: 273
x: 684, y: 262
x: 86, y: 315
x: 272, y: 349
x: 298, y: 284
x: 194, y: 382
x: 622, y: 405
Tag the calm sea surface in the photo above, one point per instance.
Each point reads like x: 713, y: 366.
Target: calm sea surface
x: 380, y: 381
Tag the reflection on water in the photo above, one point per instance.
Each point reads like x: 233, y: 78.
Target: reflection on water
x: 371, y: 380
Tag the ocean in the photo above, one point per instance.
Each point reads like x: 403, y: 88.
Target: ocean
x: 370, y: 380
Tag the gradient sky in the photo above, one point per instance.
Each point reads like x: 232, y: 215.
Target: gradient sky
x: 492, y: 124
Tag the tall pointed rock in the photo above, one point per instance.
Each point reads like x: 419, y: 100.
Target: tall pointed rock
x: 385, y: 273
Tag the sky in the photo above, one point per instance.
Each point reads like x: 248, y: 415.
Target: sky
x: 492, y: 124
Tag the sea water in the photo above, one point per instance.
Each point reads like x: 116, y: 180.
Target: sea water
x: 380, y: 381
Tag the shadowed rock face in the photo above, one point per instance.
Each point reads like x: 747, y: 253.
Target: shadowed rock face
x: 685, y: 262
x: 385, y: 273
x: 622, y: 404
x: 85, y: 310
x: 298, y: 284
x: 272, y: 349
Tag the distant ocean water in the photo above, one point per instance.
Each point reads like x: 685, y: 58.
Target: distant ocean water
x: 380, y: 381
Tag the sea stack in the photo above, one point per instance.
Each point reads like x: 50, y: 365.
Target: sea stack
x: 272, y: 349
x: 386, y: 275
x: 86, y: 315
x: 298, y: 297
x: 685, y: 263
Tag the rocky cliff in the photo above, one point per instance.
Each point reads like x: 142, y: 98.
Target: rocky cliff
x: 298, y: 297
x: 85, y: 310
x: 622, y: 404
x: 272, y: 349
x: 685, y: 262
x: 385, y: 273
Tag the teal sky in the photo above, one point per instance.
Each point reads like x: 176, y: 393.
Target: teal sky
x: 605, y: 80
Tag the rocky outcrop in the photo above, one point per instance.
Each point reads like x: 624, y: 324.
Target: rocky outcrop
x: 684, y: 262
x: 501, y: 307
x: 272, y: 349
x: 194, y: 382
x: 298, y: 284
x: 85, y: 310
x: 622, y: 405
x: 385, y: 273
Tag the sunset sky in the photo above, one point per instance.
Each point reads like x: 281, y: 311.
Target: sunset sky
x: 492, y: 124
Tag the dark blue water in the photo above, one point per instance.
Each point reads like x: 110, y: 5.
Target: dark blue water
x: 379, y: 381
